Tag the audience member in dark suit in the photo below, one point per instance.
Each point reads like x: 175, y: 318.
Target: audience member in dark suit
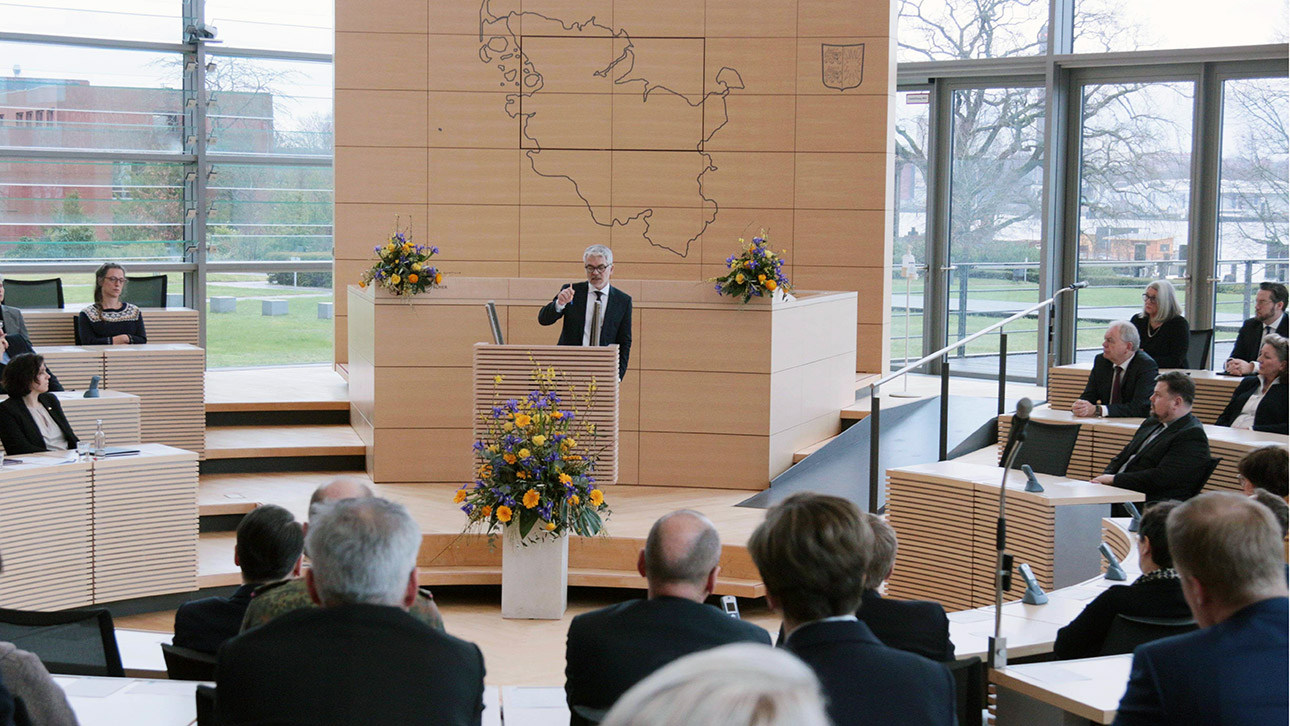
x: 1269, y: 317
x: 1234, y: 670
x: 1267, y: 467
x: 1119, y: 386
x: 1156, y: 594
x: 359, y: 658
x: 917, y: 626
x: 6, y: 706
x: 612, y: 649
x: 1169, y: 453
x: 1260, y: 402
x: 579, y: 317
x: 31, y: 419
x: 732, y: 685
x: 269, y: 543
x: 1163, y: 330
x: 12, y: 346
x: 813, y: 551
x: 11, y: 320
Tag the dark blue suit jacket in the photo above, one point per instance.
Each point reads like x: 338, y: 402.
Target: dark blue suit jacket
x: 1135, y: 387
x: 915, y: 626
x: 1273, y: 411
x: 615, y: 328
x: 867, y: 682
x: 1234, y: 673
x: 205, y: 624
x: 1250, y: 338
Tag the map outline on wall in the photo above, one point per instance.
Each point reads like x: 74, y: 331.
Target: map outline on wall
x: 501, y: 43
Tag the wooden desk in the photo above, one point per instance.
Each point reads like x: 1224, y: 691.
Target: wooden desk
x: 1213, y: 390
x: 139, y: 702
x: 944, y: 514
x: 1102, y: 439
x: 164, y: 325
x: 1070, y: 693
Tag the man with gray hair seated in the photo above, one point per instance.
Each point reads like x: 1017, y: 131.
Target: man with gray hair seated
x: 1120, y: 384
x: 611, y: 649
x: 605, y: 320
x: 360, y: 658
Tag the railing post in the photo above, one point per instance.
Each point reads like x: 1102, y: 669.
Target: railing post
x: 875, y: 410
x: 964, y: 272
x: 1003, y: 368
x: 945, y: 407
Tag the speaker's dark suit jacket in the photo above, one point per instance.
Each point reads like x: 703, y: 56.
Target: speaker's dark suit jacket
x: 349, y: 665
x: 867, y: 682
x: 915, y: 626
x: 205, y: 624
x: 1171, y: 466
x: 1234, y: 673
x: 1272, y: 413
x: 18, y: 430
x: 1250, y: 338
x: 612, y: 649
x: 616, y: 327
x: 1136, y: 385
x: 19, y: 344
x: 1149, y: 598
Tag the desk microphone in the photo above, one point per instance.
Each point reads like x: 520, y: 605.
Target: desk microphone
x: 93, y: 390
x: 1137, y: 516
x: 1032, y: 484
x: 998, y: 644
x: 1017, y: 433
x: 1034, y: 593
x: 1113, y: 569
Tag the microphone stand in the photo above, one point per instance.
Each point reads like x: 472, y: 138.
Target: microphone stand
x: 1003, y: 574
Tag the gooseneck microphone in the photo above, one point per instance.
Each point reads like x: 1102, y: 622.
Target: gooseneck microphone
x: 1017, y: 433
x: 998, y: 656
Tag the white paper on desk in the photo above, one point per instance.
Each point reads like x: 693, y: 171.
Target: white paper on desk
x: 1053, y: 673
x: 972, y: 616
x: 93, y: 687
x: 152, y: 687
x: 536, y: 697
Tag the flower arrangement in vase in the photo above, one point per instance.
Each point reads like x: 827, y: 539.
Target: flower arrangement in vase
x: 402, y: 267
x: 755, y: 271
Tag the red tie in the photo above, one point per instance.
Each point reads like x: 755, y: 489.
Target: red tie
x: 1115, y: 385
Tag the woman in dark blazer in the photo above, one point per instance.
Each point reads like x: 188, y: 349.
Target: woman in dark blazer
x: 1156, y: 594
x: 1164, y: 331
x: 27, y: 381
x: 1270, y: 412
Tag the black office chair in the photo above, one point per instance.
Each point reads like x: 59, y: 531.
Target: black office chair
x: 1128, y: 632
x: 969, y: 689
x: 1198, y: 348
x: 34, y: 293
x: 146, y: 292
x: 205, y: 696
x: 1209, y: 471
x: 186, y: 664
x: 1047, y: 448
x: 71, y: 642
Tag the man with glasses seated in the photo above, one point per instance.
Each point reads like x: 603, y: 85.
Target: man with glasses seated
x: 607, y: 320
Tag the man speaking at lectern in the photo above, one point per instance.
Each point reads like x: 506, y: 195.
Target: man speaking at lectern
x: 607, y: 320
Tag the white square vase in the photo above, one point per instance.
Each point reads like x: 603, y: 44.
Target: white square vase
x: 535, y: 576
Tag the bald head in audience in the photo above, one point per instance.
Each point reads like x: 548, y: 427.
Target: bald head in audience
x: 680, y: 556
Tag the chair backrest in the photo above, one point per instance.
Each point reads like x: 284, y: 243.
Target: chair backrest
x: 34, y: 293
x: 186, y: 664
x: 1047, y: 448
x: 1198, y: 348
x: 969, y: 689
x: 1128, y: 632
x: 1209, y: 471
x: 71, y: 642
x: 205, y: 696
x: 148, y: 291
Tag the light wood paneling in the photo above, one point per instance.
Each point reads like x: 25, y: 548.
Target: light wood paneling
x: 383, y: 118
x: 870, y: 281
x: 474, y: 176
x: 703, y: 402
x: 387, y: 16
x: 750, y: 123
x: 380, y: 175
x: 659, y: 121
x: 841, y: 181
x: 119, y: 412
x: 842, y: 123
x: 766, y: 65
x: 672, y: 459
x: 380, y: 61
x: 750, y: 19
x: 471, y: 233
x: 721, y: 238
x: 656, y: 179
x: 675, y: 231
x: 845, y: 17
x: 548, y: 178
x: 453, y: 64
x: 837, y: 237
x: 46, y: 536
x: 810, y: 66
x: 170, y: 381
x: 697, y: 340
x: 58, y: 327
x: 669, y: 61
x: 559, y: 234
x: 464, y: 18
x: 757, y: 179
x: 567, y: 121
x: 463, y: 120
x: 360, y: 227
x: 673, y: 18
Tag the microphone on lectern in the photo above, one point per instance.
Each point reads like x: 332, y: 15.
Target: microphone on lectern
x: 1136, y: 522
x: 93, y: 390
x: 1113, y: 569
x: 1032, y: 484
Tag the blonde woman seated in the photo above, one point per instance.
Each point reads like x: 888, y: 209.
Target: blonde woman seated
x: 1164, y: 331
x: 1260, y: 402
x: 31, y: 419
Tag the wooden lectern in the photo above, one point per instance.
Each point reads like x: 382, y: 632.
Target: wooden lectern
x: 577, y: 369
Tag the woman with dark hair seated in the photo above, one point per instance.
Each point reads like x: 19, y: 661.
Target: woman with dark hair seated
x: 31, y: 419
x: 1267, y: 467
x: 1262, y: 401
x: 1156, y: 594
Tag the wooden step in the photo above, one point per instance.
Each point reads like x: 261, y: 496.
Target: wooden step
x: 276, y: 388
x: 803, y: 453
x: 850, y: 413
x: 239, y: 493
x: 245, y: 442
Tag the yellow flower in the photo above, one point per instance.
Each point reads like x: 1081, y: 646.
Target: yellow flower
x: 412, y: 278
x: 508, y: 457
x: 566, y: 479
x: 362, y: 285
x: 395, y: 279
x: 503, y: 514
x: 508, y: 426
x: 497, y: 379
x: 569, y: 443
x: 486, y: 471
x: 438, y: 278
x: 573, y: 457
x: 492, y: 448
x: 573, y: 500
x: 549, y: 526
x: 485, y: 511
x: 531, y: 499
x: 525, y: 453
x: 771, y: 284
x: 521, y: 474
x: 732, y: 264
x: 739, y: 278
x: 557, y: 414
x: 416, y: 266
x: 459, y: 497
x: 597, y: 497
x: 761, y: 279
x: 539, y: 440
x: 523, y: 420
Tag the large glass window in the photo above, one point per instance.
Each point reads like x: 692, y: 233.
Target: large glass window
x: 909, y: 227
x: 935, y: 30
x: 996, y: 192
x: 296, y: 25
x: 1122, y: 25
x: 1134, y: 192
x: 269, y: 106
x: 154, y: 20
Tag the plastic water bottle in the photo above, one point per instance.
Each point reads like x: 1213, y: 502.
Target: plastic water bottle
x: 100, y: 441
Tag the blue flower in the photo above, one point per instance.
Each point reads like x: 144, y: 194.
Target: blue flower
x: 434, y: 250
